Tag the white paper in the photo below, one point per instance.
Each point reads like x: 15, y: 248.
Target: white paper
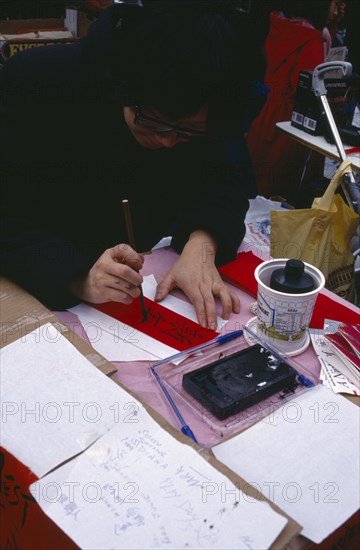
x: 54, y: 401
x: 356, y: 119
x: 330, y: 363
x: 163, y: 243
x: 305, y: 458
x: 138, y: 487
x: 118, y: 341
x: 338, y: 53
x: 333, y: 379
x: 175, y: 304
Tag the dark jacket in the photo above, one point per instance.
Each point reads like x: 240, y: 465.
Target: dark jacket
x: 68, y: 160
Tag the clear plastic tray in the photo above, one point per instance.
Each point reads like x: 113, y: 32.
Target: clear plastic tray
x: 171, y: 377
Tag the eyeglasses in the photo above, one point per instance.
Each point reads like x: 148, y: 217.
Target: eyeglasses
x: 160, y: 127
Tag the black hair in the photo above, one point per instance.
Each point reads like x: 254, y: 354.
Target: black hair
x: 314, y: 11
x: 178, y: 56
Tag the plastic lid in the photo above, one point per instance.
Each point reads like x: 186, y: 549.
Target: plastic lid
x: 292, y: 278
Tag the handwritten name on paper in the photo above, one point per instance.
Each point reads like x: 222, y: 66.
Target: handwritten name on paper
x: 138, y: 487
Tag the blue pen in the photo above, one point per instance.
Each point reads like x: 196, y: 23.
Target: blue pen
x: 300, y: 377
x: 215, y: 342
x: 184, y: 427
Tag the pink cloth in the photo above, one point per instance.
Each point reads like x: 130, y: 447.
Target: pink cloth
x: 137, y: 378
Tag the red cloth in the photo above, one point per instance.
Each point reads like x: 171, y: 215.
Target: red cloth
x: 277, y: 159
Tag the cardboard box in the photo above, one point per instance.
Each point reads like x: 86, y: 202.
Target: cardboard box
x: 342, y: 96
x: 75, y: 22
x: 306, y: 113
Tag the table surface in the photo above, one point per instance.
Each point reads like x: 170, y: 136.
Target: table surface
x: 136, y: 376
x: 318, y: 143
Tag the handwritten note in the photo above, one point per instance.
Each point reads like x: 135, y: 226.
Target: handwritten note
x: 138, y: 487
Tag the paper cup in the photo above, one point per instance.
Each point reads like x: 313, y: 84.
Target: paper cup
x: 283, y: 319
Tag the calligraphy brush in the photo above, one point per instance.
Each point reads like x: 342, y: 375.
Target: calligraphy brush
x: 131, y: 239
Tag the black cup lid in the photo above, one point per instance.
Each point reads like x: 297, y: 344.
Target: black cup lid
x: 292, y: 278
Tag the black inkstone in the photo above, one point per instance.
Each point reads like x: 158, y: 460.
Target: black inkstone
x: 238, y: 381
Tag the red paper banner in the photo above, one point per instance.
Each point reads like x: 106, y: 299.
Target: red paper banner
x: 162, y: 323
x: 23, y: 524
x: 240, y: 272
x: 326, y: 308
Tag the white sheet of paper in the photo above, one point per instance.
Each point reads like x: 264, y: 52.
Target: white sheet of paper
x: 304, y: 457
x: 118, y: 341
x: 54, y: 401
x: 333, y: 379
x: 116, y: 349
x: 175, y: 304
x: 138, y: 487
x: 329, y: 360
x: 165, y: 241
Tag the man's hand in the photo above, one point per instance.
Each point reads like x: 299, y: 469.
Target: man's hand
x: 113, y: 277
x: 196, y: 275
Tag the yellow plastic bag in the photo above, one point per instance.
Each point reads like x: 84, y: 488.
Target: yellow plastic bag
x: 320, y: 235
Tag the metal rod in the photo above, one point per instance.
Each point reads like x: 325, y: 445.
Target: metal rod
x: 351, y: 191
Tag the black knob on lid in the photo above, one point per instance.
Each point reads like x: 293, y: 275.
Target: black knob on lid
x: 292, y: 278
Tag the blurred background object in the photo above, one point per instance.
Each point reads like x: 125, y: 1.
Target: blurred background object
x: 38, y: 9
